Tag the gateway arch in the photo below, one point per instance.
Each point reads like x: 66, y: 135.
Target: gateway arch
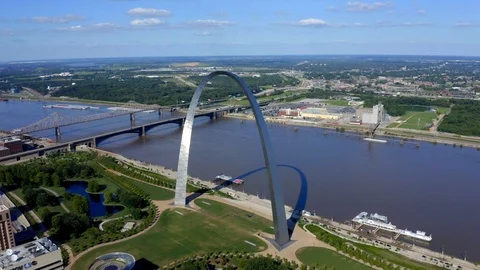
x: 275, y: 188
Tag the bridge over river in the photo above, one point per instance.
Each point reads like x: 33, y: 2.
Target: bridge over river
x: 93, y: 141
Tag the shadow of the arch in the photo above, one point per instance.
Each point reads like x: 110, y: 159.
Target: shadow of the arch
x: 297, y: 209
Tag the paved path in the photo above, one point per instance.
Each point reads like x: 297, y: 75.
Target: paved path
x: 161, y: 206
x: 29, y: 212
x: 58, y: 197
x: 110, y: 219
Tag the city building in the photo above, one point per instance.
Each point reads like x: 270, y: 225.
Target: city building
x: 13, y: 143
x: 38, y: 254
x: 374, y: 115
x: 6, y: 233
x: 4, y: 151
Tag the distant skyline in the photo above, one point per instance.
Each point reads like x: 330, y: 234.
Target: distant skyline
x: 54, y: 29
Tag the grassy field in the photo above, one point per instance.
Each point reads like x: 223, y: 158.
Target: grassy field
x: 313, y: 255
x: 410, y: 120
x: 176, y: 236
x: 229, y: 214
x: 155, y: 192
x: 442, y: 110
x: 339, y: 102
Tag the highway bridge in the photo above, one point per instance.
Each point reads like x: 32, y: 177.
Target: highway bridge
x: 93, y: 141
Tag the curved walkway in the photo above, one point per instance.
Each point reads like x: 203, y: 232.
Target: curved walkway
x: 58, y: 197
x: 110, y: 219
x: 161, y: 206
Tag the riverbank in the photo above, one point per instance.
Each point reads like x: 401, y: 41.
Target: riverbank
x: 64, y: 100
x: 263, y: 206
x: 403, y: 135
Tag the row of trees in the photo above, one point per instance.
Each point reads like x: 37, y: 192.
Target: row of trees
x: 47, y: 172
x: 464, y: 119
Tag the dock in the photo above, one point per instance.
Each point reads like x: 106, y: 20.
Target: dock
x: 224, y: 177
x: 380, y: 222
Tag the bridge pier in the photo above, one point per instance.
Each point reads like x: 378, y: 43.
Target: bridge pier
x: 143, y: 133
x: 132, y: 119
x: 58, y: 134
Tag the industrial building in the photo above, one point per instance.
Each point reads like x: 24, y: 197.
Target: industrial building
x: 374, y: 115
x: 6, y: 233
x: 35, y: 255
x: 289, y: 112
x: 14, y: 144
x: 318, y: 113
x: 4, y: 151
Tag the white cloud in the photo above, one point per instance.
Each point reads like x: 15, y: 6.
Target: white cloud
x: 204, y: 34
x: 209, y: 23
x: 318, y: 23
x: 147, y: 22
x: 401, y: 24
x: 149, y: 12
x: 366, y: 7
x: 421, y: 12
x: 466, y: 24
x: 331, y: 8
x: 55, y: 19
x: 312, y: 22
x: 105, y: 26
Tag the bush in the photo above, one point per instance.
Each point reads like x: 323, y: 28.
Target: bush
x: 136, y: 213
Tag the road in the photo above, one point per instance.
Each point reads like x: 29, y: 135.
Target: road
x: 185, y: 81
x: 32, y: 92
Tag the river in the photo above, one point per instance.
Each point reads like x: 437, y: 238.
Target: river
x: 433, y: 188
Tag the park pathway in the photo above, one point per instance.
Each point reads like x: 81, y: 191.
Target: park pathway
x: 160, y: 205
x: 58, y: 197
x: 29, y: 212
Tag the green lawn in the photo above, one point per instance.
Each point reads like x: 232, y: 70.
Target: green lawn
x: 155, y: 192
x: 410, y: 120
x: 313, y: 255
x: 337, y: 102
x: 442, y: 110
x: 176, y: 236
x: 226, y: 213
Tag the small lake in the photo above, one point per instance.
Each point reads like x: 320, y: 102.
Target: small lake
x: 97, y: 209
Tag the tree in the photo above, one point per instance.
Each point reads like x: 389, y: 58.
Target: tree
x: 67, y: 195
x: 136, y: 213
x: 56, y: 180
x: 43, y: 199
x: 30, y: 196
x: 194, y: 265
x: 94, y: 186
x: 262, y: 263
x: 107, y: 197
x: 46, y: 216
x: 80, y: 205
x: 9, y: 181
x: 68, y: 224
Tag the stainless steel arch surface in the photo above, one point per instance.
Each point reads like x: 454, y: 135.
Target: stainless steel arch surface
x: 275, y: 188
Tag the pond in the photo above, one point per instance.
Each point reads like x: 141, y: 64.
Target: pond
x: 97, y: 209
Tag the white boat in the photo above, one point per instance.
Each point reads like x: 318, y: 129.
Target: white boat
x: 374, y: 140
x: 381, y: 222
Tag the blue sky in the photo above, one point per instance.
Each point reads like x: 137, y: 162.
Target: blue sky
x: 52, y: 29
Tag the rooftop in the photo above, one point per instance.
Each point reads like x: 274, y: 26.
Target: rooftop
x: 24, y: 254
x: 3, y: 208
